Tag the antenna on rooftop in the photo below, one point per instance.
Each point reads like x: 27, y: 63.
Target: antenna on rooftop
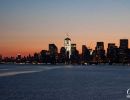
x: 67, y: 34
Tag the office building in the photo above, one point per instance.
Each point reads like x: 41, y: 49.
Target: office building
x: 67, y: 45
x: 123, y: 51
x: 53, y: 50
x: 85, y: 54
x: 112, y: 53
x: 123, y: 43
x: 100, y: 52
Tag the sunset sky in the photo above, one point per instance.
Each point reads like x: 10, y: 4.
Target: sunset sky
x: 28, y: 26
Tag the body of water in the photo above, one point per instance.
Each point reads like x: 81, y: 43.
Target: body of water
x: 64, y: 82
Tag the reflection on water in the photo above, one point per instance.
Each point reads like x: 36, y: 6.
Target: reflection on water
x: 41, y: 82
x: 19, y: 69
x: 15, y: 73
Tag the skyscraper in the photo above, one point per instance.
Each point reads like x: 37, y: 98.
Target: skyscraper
x: 73, y: 47
x: 123, y: 43
x: 43, y: 55
x: 85, y: 54
x: 112, y: 53
x: 123, y: 51
x: 100, y: 52
x: 74, y: 57
x: 67, y: 45
x: 53, y: 50
x: 100, y: 46
x: 62, y: 56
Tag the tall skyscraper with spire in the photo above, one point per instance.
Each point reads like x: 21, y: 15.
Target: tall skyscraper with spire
x: 67, y: 45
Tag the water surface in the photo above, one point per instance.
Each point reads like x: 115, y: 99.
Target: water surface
x: 47, y: 82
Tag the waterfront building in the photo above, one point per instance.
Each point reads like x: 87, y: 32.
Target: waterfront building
x: 53, y: 50
x: 62, y: 55
x: 67, y: 45
x: 123, y: 43
x: 73, y: 47
x: 43, y: 56
x: 74, y: 58
x: 18, y: 58
x: 100, y: 52
x: 36, y: 58
x: 112, y: 53
x: 0, y: 58
x: 85, y: 54
x: 123, y: 51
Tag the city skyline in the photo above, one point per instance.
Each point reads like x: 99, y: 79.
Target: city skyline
x: 69, y: 54
x: 28, y: 26
x: 71, y: 44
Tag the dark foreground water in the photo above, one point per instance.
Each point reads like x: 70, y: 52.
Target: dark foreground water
x: 45, y: 82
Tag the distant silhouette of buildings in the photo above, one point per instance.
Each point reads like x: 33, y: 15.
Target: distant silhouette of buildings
x: 19, y: 58
x: 85, y: 54
x: 63, y: 56
x: 100, y: 52
x: 124, y: 43
x: 44, y: 56
x: 36, y: 58
x: 112, y: 53
x: 74, y: 58
x: 70, y: 55
x: 123, y: 51
x: 0, y: 58
x: 53, y: 51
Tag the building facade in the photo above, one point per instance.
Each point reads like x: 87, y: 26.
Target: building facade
x: 67, y: 45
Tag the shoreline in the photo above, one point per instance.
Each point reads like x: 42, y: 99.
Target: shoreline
x: 60, y: 64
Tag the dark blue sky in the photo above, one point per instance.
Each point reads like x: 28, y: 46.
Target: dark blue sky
x: 39, y: 22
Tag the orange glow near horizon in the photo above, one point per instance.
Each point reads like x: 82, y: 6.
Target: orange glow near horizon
x: 28, y: 26
x: 25, y: 48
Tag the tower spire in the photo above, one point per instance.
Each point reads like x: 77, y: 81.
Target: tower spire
x: 67, y: 34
